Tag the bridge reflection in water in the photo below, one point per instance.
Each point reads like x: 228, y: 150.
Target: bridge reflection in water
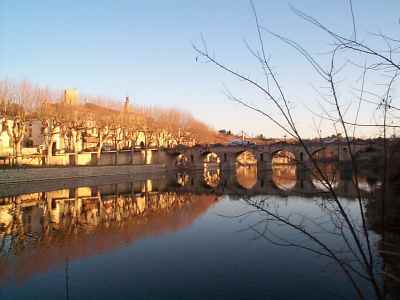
x: 284, y: 176
x: 246, y: 176
x: 39, y: 230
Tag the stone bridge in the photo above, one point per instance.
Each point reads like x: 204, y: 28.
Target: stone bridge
x: 226, y: 156
x: 195, y: 157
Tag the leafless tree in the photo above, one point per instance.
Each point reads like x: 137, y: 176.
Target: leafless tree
x: 383, y: 62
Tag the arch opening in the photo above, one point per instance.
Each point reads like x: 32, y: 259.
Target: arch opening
x: 283, y: 157
x: 284, y: 176
x: 211, y: 160
x: 326, y: 154
x: 182, y: 179
x: 368, y: 184
x: 246, y: 176
x: 368, y: 155
x: 212, y: 177
x: 181, y: 161
x: 331, y: 173
x: 246, y: 158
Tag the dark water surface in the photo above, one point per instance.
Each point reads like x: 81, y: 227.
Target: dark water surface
x: 181, y: 236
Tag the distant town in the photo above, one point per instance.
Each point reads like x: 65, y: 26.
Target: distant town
x: 42, y: 127
x: 39, y: 127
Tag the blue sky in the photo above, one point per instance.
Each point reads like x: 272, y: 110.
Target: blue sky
x: 144, y: 49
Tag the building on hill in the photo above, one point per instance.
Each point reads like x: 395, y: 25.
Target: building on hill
x: 126, y: 108
x: 71, y: 96
x: 87, y: 127
x: 5, y: 140
x: 34, y: 135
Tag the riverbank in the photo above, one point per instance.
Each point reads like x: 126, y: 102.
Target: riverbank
x: 23, y: 175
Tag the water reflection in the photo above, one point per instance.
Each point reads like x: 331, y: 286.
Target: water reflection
x: 246, y: 176
x: 173, y: 223
x: 182, y: 179
x: 212, y: 177
x: 368, y: 184
x: 41, y: 229
x: 332, y: 174
x: 284, y: 176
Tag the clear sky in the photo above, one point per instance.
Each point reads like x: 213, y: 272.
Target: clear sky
x: 144, y: 49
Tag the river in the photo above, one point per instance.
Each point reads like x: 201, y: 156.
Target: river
x: 183, y: 235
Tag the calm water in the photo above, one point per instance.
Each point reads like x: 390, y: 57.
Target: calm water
x: 181, y: 236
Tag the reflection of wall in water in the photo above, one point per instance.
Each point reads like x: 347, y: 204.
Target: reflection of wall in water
x: 390, y: 247
x: 60, y: 223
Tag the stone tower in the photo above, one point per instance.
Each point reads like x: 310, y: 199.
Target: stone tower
x: 126, y: 105
x: 71, y: 96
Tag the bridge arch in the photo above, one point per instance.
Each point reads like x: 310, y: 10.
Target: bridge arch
x: 318, y: 150
x: 211, y: 159
x: 331, y: 172
x: 370, y: 151
x: 325, y: 153
x: 368, y: 184
x: 181, y: 160
x: 245, y: 157
x: 323, y: 186
x: 182, y: 179
x: 284, y: 177
x: 246, y: 176
x: 211, y: 177
x: 283, y: 156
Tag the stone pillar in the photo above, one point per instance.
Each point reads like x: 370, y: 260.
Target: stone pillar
x: 264, y: 161
x: 344, y: 153
x: 166, y: 159
x: 148, y: 156
x: 302, y: 160
x: 228, y: 160
x: 301, y: 175
x: 196, y: 160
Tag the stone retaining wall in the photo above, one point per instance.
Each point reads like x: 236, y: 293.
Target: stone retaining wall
x: 41, y: 174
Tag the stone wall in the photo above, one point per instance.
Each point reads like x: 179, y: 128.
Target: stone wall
x: 59, y: 160
x: 106, y: 159
x: 32, y: 160
x: 83, y: 159
x: 43, y: 174
x: 124, y: 157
